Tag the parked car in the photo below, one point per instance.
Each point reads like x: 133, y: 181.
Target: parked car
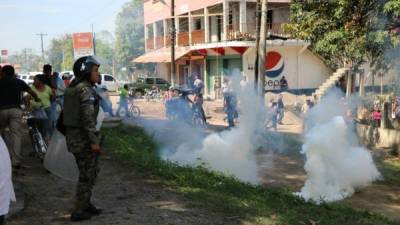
x: 28, y: 79
x: 138, y: 88
x: 107, y: 81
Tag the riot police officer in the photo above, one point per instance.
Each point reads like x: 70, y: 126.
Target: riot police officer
x: 81, y: 107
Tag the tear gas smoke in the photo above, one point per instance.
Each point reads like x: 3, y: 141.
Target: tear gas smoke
x: 336, y: 164
x: 232, y: 151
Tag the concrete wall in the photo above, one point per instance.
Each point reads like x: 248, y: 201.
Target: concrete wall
x: 387, y: 137
x: 304, y: 71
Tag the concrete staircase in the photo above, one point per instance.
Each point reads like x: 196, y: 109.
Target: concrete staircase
x: 330, y: 82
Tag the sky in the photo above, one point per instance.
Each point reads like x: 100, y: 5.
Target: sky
x: 21, y: 20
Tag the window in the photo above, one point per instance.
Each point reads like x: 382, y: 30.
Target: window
x: 108, y: 78
x: 161, y: 81
x: 23, y: 77
x: 31, y: 77
x: 197, y: 24
x: 149, y: 81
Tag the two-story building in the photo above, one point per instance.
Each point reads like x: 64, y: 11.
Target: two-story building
x: 215, y: 36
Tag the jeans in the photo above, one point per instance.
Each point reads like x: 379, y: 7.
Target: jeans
x: 123, y: 105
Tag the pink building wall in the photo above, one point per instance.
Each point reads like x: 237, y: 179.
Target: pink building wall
x: 161, y: 9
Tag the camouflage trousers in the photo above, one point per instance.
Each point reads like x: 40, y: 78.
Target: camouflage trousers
x: 88, y: 170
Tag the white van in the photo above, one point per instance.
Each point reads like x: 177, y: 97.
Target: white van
x: 107, y: 81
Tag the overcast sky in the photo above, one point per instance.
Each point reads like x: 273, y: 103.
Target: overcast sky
x: 21, y: 20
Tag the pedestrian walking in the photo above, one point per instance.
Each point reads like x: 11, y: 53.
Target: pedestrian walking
x: 123, y: 100
x: 81, y: 106
x: 11, y: 90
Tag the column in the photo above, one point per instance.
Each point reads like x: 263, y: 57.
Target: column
x: 177, y: 30
x: 190, y: 21
x: 349, y: 83
x: 206, y: 26
x: 165, y: 26
x: 146, y: 36
x: 243, y: 16
x: 225, y: 23
x: 362, y: 84
x: 155, y: 34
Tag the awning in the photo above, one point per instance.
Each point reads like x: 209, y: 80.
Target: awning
x: 160, y: 56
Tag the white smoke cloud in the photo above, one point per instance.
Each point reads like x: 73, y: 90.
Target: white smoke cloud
x: 231, y: 151
x: 336, y: 164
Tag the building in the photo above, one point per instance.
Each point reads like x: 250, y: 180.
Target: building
x: 215, y: 36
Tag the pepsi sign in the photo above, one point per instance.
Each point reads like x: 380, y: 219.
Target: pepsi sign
x: 274, y: 64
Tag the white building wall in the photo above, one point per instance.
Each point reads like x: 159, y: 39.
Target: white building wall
x: 162, y: 70
x: 304, y: 71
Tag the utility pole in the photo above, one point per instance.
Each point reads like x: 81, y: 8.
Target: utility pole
x: 41, y: 38
x: 258, y: 24
x: 94, y: 41
x: 173, y: 34
x: 262, y: 51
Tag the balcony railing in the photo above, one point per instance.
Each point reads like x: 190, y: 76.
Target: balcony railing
x: 183, y: 39
x: 234, y: 34
x: 197, y: 37
x: 159, y: 42
x: 150, y: 43
x: 168, y: 41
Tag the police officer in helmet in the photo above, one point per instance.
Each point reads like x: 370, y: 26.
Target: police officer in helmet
x: 81, y: 107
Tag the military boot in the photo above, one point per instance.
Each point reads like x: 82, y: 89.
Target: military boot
x: 80, y: 216
x: 93, y: 210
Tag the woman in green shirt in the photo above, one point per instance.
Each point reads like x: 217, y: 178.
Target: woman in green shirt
x: 45, y: 94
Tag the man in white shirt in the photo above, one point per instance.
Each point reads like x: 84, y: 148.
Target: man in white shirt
x: 6, y: 187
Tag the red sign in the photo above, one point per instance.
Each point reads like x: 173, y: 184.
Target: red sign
x: 83, y: 44
x: 4, y: 52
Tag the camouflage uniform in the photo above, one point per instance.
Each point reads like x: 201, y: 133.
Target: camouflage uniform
x: 80, y: 113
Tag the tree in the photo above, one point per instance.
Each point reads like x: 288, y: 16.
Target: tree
x: 129, y: 33
x: 61, y: 52
x: 346, y: 31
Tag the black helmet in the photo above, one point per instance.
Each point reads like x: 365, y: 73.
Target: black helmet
x: 83, y: 66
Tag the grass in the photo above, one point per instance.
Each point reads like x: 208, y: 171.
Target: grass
x: 390, y: 168
x: 226, y: 194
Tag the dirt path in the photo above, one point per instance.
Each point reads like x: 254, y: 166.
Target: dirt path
x: 128, y: 198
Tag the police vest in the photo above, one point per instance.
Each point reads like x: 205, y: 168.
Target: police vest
x: 72, y: 105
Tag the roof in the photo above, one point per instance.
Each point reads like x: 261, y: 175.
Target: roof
x: 161, y: 55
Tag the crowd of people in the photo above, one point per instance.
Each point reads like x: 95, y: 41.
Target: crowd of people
x: 71, y: 108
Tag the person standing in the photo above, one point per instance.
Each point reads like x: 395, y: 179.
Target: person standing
x: 281, y: 109
x: 198, y: 86
x: 45, y: 94
x: 81, y: 107
x: 283, y: 83
x: 11, y: 89
x: 49, y: 80
x: 230, y: 108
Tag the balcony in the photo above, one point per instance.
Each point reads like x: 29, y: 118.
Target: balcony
x: 159, y: 42
x: 197, y: 37
x: 236, y: 35
x: 150, y: 43
x: 183, y: 39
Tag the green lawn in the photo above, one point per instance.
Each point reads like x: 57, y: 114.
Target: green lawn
x: 226, y: 194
